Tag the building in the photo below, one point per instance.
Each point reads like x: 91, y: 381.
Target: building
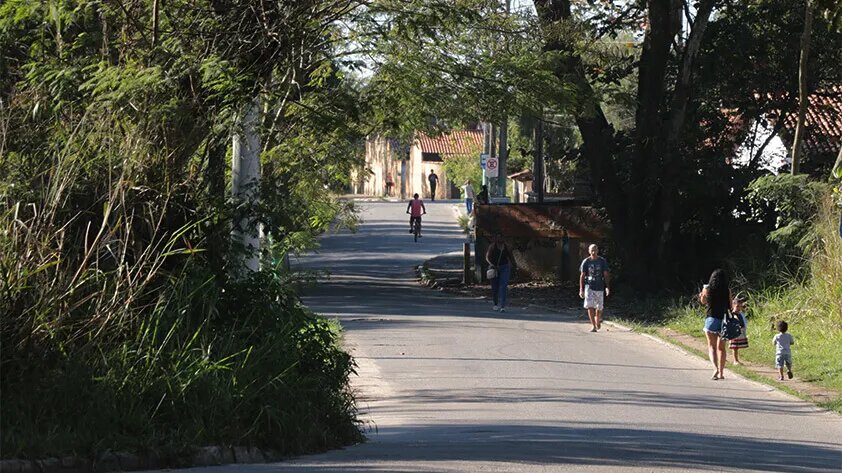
x: 386, y: 161
x: 821, y: 142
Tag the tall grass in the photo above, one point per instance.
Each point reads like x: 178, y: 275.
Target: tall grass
x: 116, y: 334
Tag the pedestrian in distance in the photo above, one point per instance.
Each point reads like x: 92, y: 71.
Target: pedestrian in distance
x: 499, y: 260
x: 482, y: 197
x: 390, y: 184
x: 594, y: 278
x: 415, y: 209
x: 434, y: 182
x: 741, y: 342
x: 469, y: 196
x: 783, y: 350
x: 716, y: 296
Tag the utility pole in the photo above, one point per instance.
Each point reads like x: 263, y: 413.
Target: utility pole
x: 803, y: 93
x: 492, y: 153
x: 503, y: 155
x: 486, y: 146
x: 245, y: 185
x: 504, y: 140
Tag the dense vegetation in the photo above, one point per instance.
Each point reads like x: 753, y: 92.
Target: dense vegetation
x: 125, y: 320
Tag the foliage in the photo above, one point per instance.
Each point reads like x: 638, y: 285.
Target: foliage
x: 463, y: 168
x: 443, y: 63
x: 115, y: 297
x: 793, y: 202
x: 259, y: 371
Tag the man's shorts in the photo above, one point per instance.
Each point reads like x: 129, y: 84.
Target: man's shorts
x: 594, y: 299
x: 782, y: 359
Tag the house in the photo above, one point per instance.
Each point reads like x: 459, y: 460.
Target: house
x: 521, y: 185
x: 386, y: 160
x: 822, y: 137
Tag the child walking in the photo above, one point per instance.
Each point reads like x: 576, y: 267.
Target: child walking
x: 736, y: 344
x: 783, y: 353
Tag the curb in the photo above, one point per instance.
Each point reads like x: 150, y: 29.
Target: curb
x: 125, y: 461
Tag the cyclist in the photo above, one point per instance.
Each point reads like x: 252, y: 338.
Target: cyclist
x: 415, y: 209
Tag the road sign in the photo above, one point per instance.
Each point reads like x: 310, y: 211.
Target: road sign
x: 491, y: 165
x: 482, y: 158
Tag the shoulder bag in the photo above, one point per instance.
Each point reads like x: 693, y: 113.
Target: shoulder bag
x: 492, y: 271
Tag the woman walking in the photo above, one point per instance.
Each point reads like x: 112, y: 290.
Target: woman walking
x: 499, y: 258
x: 716, y: 295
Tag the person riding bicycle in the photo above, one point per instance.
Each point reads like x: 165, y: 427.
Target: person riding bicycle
x: 415, y: 209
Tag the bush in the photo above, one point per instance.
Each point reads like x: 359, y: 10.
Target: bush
x: 241, y: 363
x: 793, y: 203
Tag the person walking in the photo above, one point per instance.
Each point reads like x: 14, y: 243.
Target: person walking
x: 499, y: 260
x: 434, y: 182
x: 783, y: 350
x: 469, y: 196
x: 741, y: 342
x: 593, y: 285
x: 716, y: 296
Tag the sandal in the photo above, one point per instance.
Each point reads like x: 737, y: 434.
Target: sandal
x: 715, y: 376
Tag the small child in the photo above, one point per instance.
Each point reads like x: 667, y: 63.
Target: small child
x: 783, y: 354
x: 738, y: 308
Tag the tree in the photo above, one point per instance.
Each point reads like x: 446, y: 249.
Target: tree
x: 803, y: 93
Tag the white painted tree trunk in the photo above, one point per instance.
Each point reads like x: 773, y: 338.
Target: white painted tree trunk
x: 245, y: 186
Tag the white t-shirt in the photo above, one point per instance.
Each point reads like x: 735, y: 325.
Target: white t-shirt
x: 783, y: 342
x: 469, y: 191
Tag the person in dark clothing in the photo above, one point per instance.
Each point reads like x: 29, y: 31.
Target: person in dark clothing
x: 434, y: 182
x: 499, y: 259
x: 482, y: 197
x: 716, y: 296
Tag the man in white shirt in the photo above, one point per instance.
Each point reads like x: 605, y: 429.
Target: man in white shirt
x: 469, y: 196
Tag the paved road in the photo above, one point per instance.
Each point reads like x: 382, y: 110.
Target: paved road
x: 448, y: 385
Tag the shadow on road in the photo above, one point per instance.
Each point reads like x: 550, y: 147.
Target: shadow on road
x: 579, y: 444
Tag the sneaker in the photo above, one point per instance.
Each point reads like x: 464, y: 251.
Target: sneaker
x: 593, y: 329
x: 502, y: 309
x: 410, y: 230
x: 496, y: 308
x: 781, y: 378
x: 789, y: 374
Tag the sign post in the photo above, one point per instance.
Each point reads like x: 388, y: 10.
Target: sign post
x: 492, y: 167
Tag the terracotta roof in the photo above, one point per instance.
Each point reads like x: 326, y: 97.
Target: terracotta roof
x: 823, y: 122
x: 452, y: 142
x: 523, y: 176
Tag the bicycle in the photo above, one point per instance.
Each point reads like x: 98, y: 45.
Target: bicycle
x: 416, y: 229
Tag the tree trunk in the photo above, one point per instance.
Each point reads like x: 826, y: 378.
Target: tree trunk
x: 803, y: 94
x: 642, y: 210
x: 218, y: 230
x: 245, y: 186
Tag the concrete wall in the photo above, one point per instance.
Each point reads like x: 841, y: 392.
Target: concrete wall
x: 417, y: 175
x: 380, y: 159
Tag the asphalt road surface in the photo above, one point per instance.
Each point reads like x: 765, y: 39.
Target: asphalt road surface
x: 445, y: 384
